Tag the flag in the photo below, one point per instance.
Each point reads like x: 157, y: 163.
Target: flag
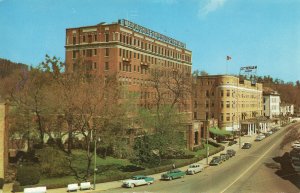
x: 228, y: 58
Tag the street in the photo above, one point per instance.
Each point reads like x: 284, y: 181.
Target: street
x: 252, y: 170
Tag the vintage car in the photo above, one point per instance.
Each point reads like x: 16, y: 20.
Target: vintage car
x: 194, y: 168
x: 215, y: 161
x: 173, y: 174
x: 138, y: 181
x: 231, y: 152
x: 247, y: 145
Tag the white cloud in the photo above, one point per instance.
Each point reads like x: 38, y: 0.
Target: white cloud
x: 209, y: 6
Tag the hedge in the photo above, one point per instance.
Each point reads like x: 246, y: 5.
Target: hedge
x: 149, y: 171
x: 28, y: 175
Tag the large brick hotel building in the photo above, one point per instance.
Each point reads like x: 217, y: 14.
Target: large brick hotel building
x: 132, y: 53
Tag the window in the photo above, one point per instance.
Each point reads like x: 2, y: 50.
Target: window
x: 222, y: 93
x: 227, y: 116
x: 83, y: 38
x: 120, y: 52
x: 227, y: 104
x: 74, y: 39
x: 95, y: 37
x: 106, y: 37
x: 106, y: 51
x: 95, y: 65
x: 221, y: 117
x: 106, y: 67
x: 195, y: 115
x: 228, y: 93
x: 74, y: 54
x: 90, y: 38
x: 207, y: 93
x: 95, y: 52
x: 89, y: 52
x: 222, y: 104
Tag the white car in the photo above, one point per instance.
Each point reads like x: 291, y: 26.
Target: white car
x: 260, y: 137
x: 296, y: 145
x: 194, y: 168
x: 138, y: 181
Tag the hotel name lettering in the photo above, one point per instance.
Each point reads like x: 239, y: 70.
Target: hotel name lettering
x: 153, y: 34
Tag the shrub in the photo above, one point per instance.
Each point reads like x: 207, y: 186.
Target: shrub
x: 28, y: 175
x: 16, y: 187
x: 53, y: 162
x: 1, y: 183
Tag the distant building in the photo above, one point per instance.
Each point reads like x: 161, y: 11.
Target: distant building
x: 286, y: 109
x: 230, y: 100
x: 271, y: 103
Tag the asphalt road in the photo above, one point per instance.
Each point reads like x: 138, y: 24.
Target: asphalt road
x: 263, y: 168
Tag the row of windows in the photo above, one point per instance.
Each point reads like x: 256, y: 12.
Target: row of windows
x: 229, y: 93
x: 138, y: 42
x: 149, y: 46
x: 226, y: 117
x: 91, y: 66
x: 89, y: 52
x: 149, y: 59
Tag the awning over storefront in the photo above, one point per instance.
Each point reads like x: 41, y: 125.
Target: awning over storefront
x: 217, y: 131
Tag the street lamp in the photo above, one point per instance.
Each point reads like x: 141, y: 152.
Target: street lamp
x: 207, y: 148
x: 95, y: 160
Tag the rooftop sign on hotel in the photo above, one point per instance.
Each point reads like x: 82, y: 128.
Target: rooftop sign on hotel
x: 137, y: 28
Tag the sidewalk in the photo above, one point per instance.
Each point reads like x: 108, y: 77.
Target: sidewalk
x: 117, y: 184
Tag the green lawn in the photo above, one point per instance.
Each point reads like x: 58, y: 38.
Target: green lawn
x: 111, y: 169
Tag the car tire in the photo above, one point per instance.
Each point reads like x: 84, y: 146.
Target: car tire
x: 171, y: 178
x: 132, y: 185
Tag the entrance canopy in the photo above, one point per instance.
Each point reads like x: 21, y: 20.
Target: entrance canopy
x: 220, y: 132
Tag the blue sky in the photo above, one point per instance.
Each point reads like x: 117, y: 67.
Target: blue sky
x: 265, y: 33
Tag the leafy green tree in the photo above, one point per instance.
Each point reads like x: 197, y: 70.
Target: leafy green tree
x: 167, y: 127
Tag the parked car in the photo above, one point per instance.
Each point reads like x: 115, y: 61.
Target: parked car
x: 295, y: 154
x: 194, y: 168
x: 260, y: 137
x: 270, y: 132
x: 173, y: 174
x: 138, y: 181
x: 231, y: 152
x: 232, y: 143
x: 224, y: 156
x: 296, y: 145
x: 296, y: 165
x: 215, y: 161
x: 247, y: 145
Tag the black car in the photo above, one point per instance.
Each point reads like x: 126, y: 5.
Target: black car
x: 215, y: 161
x: 231, y: 152
x: 246, y: 146
x: 232, y: 143
x: 224, y: 156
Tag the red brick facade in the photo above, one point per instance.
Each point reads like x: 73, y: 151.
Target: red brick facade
x: 132, y: 53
